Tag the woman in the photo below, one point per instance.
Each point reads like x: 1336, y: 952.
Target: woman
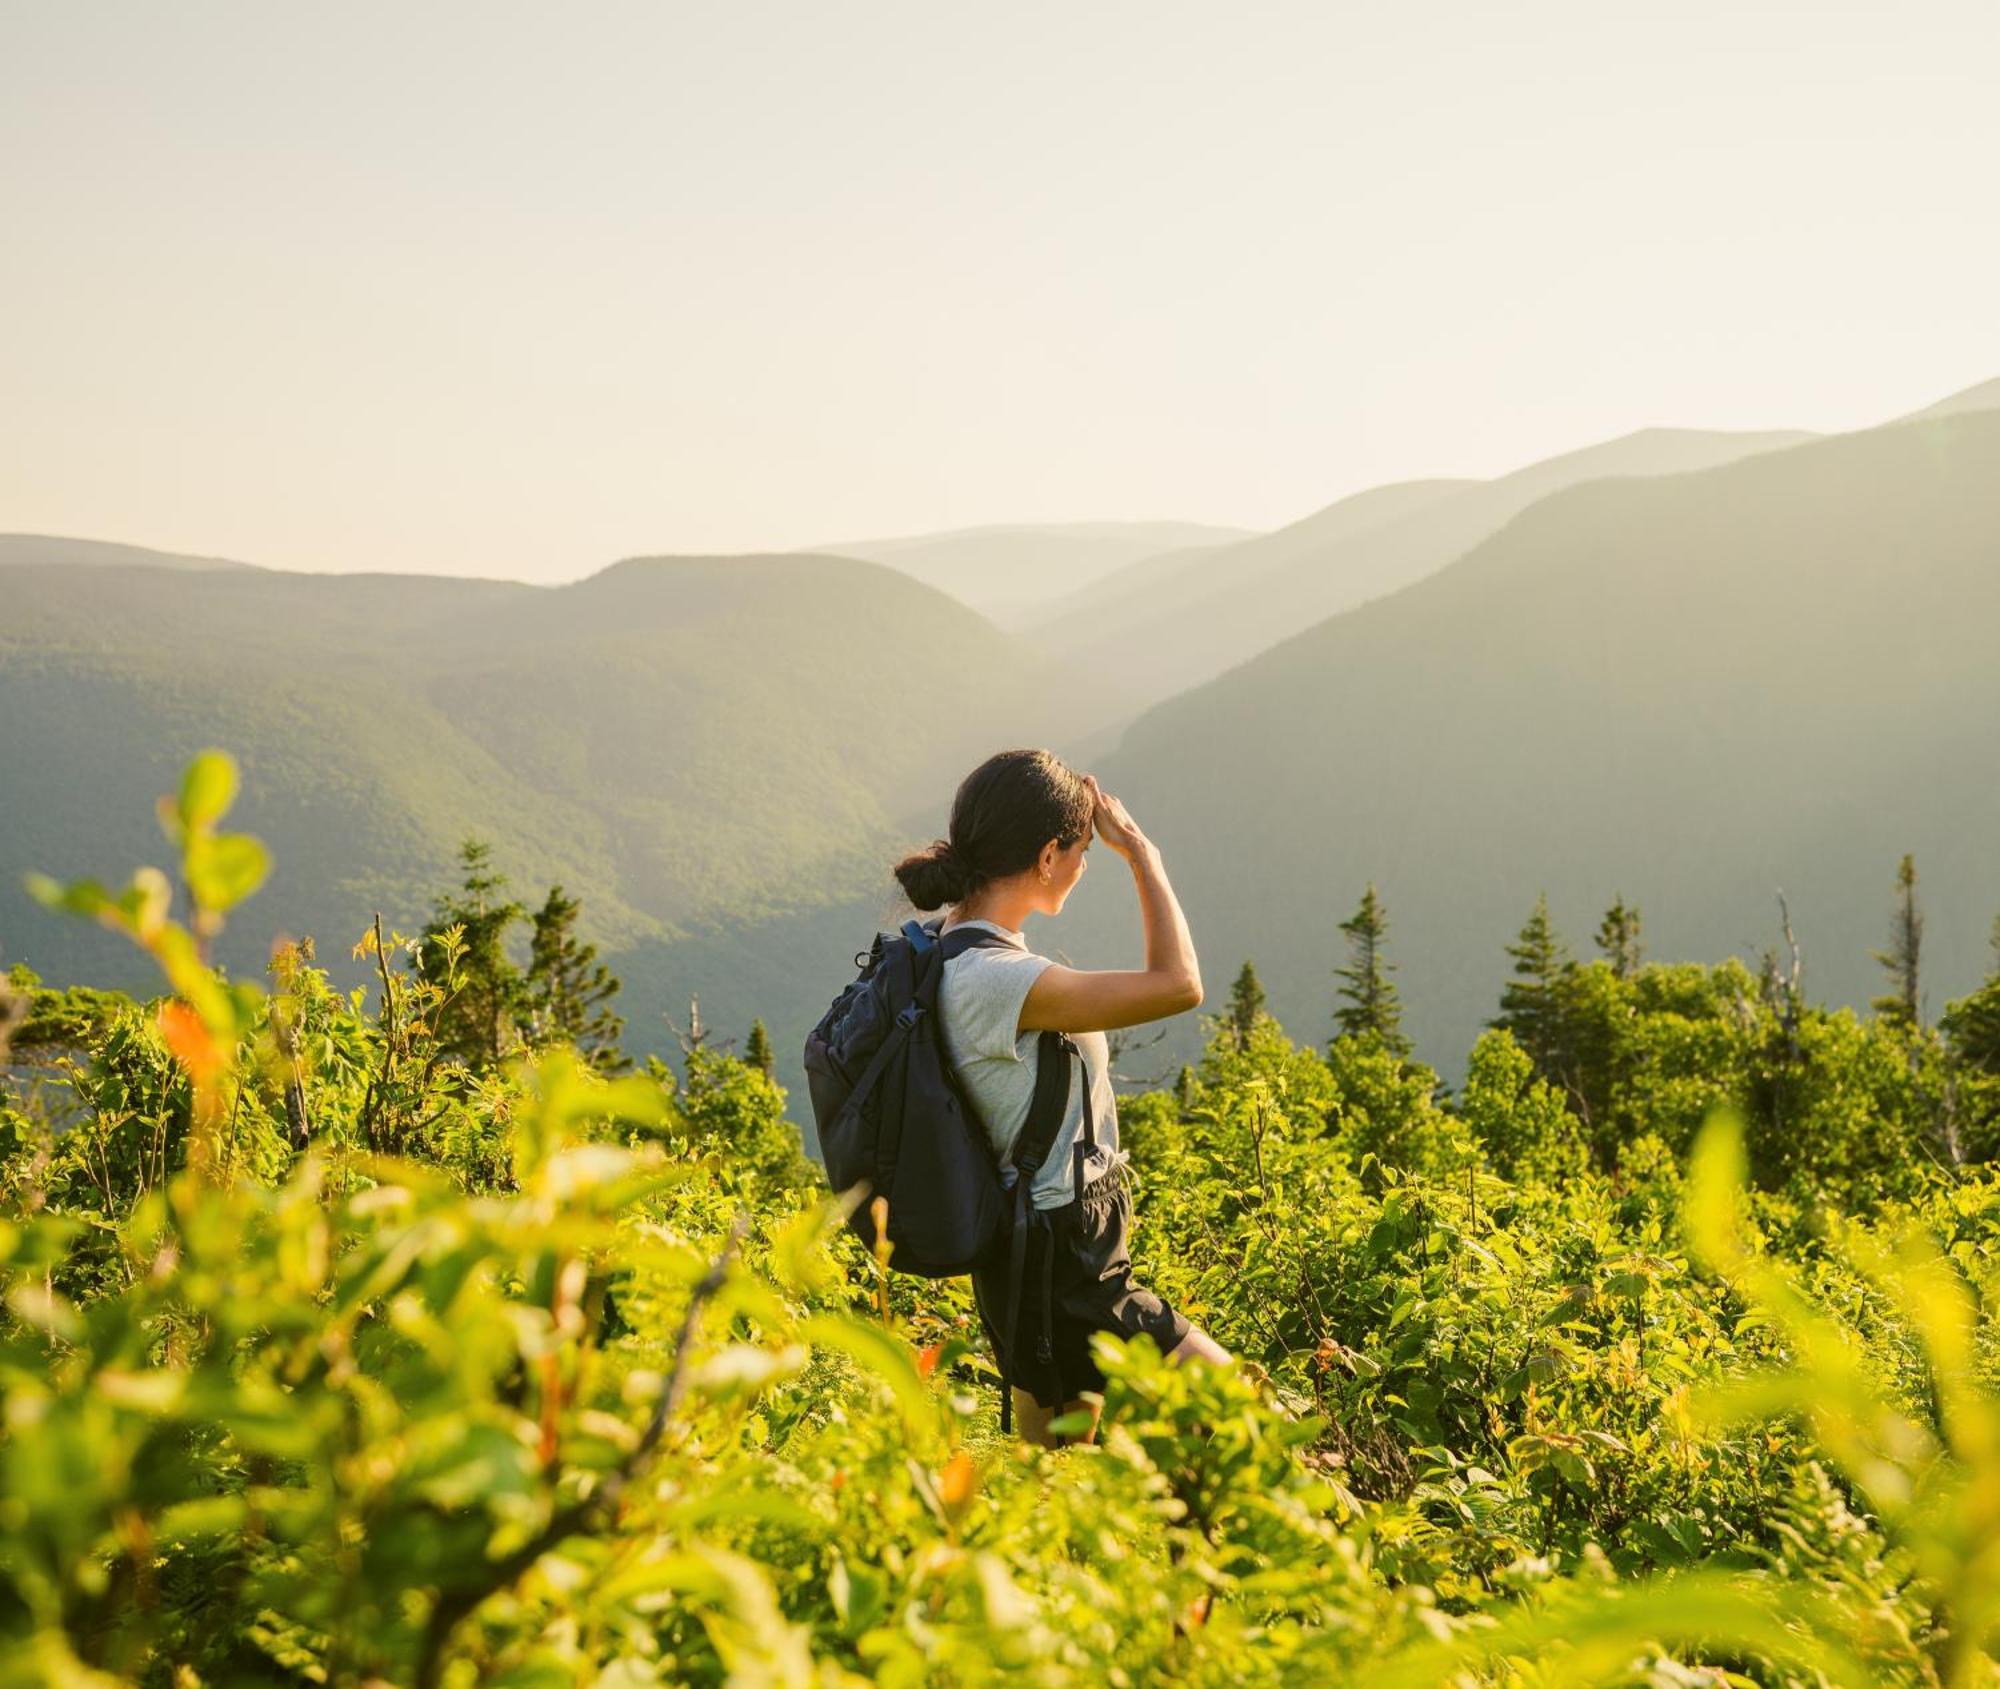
x: 1021, y: 828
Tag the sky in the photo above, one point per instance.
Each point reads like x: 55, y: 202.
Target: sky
x: 518, y: 290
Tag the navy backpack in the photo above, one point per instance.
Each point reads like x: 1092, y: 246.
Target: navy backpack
x: 894, y: 1120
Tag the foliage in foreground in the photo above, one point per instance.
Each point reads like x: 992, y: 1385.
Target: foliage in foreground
x: 332, y: 1356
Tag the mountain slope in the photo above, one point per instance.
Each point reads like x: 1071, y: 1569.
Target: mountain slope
x: 1012, y: 573
x: 1984, y: 397
x: 1181, y: 578
x: 1690, y: 691
x: 689, y: 743
x: 92, y: 554
x: 1244, y: 598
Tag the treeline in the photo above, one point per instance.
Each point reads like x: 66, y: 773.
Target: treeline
x: 1639, y: 1053
x: 405, y: 1066
x: 1605, y: 1059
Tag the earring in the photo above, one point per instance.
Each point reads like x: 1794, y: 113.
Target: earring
x: 1045, y: 876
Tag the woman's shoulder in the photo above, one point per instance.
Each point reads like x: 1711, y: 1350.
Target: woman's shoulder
x: 989, y: 960
x: 999, y: 943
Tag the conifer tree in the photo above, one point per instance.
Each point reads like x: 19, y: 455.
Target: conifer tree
x: 479, y: 1020
x: 1972, y: 1024
x: 1618, y: 938
x: 1901, y: 1005
x: 1246, y: 1006
x: 1369, y: 1003
x: 1532, y: 1005
x: 757, y: 1051
x: 569, y: 990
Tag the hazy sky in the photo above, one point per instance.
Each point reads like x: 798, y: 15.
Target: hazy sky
x: 512, y: 289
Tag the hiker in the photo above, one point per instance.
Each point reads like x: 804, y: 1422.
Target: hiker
x: 1020, y: 834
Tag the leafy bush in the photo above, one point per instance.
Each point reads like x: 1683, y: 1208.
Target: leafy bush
x: 330, y: 1354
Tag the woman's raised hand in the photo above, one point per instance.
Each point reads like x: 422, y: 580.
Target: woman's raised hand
x: 1114, y: 825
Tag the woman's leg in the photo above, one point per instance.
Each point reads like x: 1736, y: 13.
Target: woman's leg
x: 1034, y: 1420
x: 1031, y: 1419
x: 1094, y: 1406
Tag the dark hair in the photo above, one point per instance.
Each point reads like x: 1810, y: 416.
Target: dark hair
x: 1006, y: 809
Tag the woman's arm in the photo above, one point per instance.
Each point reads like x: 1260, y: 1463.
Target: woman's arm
x: 1079, y: 1000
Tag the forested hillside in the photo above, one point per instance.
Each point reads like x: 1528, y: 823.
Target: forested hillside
x: 1171, y: 623
x: 683, y: 743
x: 1691, y: 691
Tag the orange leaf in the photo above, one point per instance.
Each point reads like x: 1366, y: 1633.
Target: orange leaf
x: 927, y: 1359
x: 958, y: 1481
x: 192, y: 1044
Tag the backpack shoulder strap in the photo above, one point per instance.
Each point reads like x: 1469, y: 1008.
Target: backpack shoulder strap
x: 964, y: 937
x: 1049, y: 1104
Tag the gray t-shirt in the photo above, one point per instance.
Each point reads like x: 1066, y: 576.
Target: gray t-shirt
x: 981, y: 997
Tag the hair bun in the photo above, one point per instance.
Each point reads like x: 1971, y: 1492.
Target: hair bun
x: 935, y: 876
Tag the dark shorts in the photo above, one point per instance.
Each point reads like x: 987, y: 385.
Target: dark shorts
x: 1078, y: 1280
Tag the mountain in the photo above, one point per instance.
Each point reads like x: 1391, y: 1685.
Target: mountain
x: 1011, y: 573
x: 1176, y: 580
x: 1157, y: 630
x: 1689, y: 690
x: 690, y: 744
x: 53, y: 549
x: 1984, y: 397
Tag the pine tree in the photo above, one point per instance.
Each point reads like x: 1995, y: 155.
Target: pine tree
x: 757, y: 1051
x: 1901, y: 1005
x: 569, y: 991
x: 1618, y: 939
x: 479, y: 1021
x: 1532, y: 1006
x: 1972, y: 1024
x: 1246, y: 1006
x: 1370, y: 1005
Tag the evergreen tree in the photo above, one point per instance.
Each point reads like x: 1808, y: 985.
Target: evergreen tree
x: 1618, y: 939
x: 757, y: 1051
x: 1972, y: 1024
x: 480, y: 1018
x: 1901, y: 1005
x: 1246, y: 1006
x: 1369, y: 1004
x: 1533, y: 1005
x: 569, y: 990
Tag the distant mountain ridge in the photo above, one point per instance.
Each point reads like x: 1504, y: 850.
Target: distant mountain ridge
x: 1009, y: 571
x: 1984, y: 397
x: 1689, y: 690
x: 1165, y: 629
x: 80, y: 553
x: 1179, y: 579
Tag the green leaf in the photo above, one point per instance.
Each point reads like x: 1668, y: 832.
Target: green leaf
x: 82, y: 897
x: 1716, y: 1175
x: 208, y: 788
x: 223, y: 871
